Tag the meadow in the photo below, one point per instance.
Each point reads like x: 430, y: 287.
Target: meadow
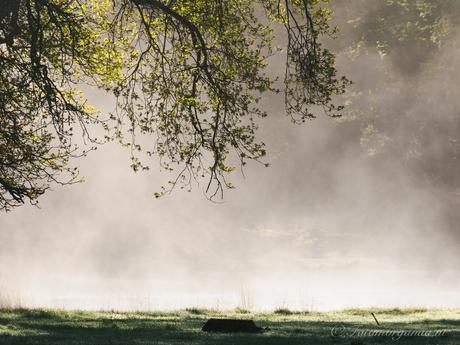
x: 353, y: 326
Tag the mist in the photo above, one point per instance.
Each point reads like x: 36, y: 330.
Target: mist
x: 327, y: 226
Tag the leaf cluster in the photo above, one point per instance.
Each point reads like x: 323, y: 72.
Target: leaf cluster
x: 42, y: 52
x: 193, y: 75
x: 189, y: 74
x: 408, y: 110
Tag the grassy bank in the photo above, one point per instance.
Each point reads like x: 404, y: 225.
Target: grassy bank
x: 402, y: 326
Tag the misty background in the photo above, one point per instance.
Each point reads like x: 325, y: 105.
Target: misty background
x: 342, y: 218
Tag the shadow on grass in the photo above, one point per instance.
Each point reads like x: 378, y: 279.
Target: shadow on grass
x: 59, y: 327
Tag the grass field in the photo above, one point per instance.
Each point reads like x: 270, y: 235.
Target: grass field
x: 357, y: 326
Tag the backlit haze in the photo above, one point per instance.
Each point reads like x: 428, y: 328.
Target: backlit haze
x: 325, y: 227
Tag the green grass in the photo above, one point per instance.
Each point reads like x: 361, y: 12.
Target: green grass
x: 355, y: 326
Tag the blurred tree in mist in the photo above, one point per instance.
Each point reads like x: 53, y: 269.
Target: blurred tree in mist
x: 407, y: 104
x: 187, y: 72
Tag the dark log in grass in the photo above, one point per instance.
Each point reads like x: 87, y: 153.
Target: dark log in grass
x: 231, y: 326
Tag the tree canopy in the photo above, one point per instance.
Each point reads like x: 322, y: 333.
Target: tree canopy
x: 190, y: 73
x: 408, y: 110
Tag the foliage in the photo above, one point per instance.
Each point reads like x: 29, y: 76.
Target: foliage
x: 44, y: 49
x: 187, y: 72
x: 408, y: 109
